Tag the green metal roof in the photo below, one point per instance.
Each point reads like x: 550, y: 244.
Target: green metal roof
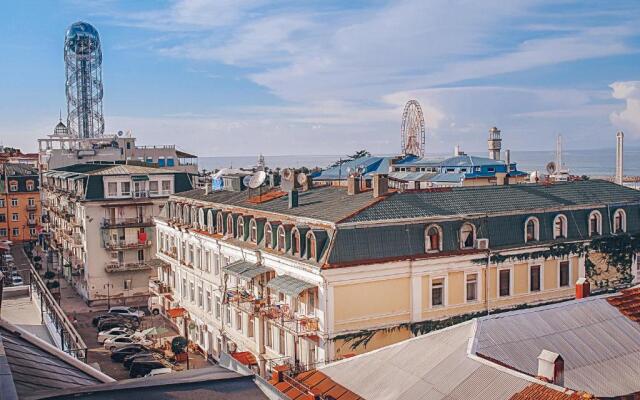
x: 244, y: 269
x: 289, y: 285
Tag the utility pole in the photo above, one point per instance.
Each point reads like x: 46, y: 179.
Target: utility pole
x: 186, y: 335
x: 108, y: 286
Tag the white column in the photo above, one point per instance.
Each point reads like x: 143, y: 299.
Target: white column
x: 416, y: 298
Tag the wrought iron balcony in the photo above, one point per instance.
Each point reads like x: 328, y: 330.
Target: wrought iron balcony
x: 126, y: 245
x: 283, y: 317
x: 115, y: 266
x: 158, y: 287
x: 108, y: 223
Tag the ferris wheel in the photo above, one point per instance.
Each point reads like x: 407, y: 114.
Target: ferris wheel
x: 412, y: 131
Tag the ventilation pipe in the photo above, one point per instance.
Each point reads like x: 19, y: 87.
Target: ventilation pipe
x: 507, y: 156
x: 583, y: 289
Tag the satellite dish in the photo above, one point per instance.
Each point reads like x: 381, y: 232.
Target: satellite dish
x: 120, y: 133
x: 257, y: 179
x: 287, y: 174
x: 551, y: 167
x: 245, y: 180
x: 302, y: 179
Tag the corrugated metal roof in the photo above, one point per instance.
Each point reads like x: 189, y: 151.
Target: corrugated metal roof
x: 432, y: 366
x: 289, y: 285
x: 599, y: 345
x: 492, y: 199
x: 245, y: 269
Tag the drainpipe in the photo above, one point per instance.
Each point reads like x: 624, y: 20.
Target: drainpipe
x: 486, y: 281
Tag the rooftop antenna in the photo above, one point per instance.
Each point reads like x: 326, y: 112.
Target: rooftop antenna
x: 559, y: 164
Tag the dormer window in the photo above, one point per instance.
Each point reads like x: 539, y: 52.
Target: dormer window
x: 433, y: 238
x: 219, y: 223
x: 281, y: 238
x: 13, y: 186
x: 311, y: 245
x: 268, y: 232
x: 560, y: 227
x: 595, y: 223
x: 467, y: 236
x: 253, y: 231
x: 30, y: 185
x: 295, y: 243
x: 619, y: 221
x: 532, y: 230
x: 230, y: 230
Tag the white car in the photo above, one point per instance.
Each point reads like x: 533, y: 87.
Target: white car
x: 16, y: 281
x: 159, y: 371
x: 111, y: 333
x: 125, y: 340
x: 6, y: 242
x: 128, y: 311
x: 8, y: 258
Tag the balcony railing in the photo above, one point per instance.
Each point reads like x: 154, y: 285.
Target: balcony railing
x: 31, y: 207
x: 124, y: 245
x: 293, y: 322
x: 124, y: 222
x: 115, y: 266
x: 32, y: 222
x: 158, y: 287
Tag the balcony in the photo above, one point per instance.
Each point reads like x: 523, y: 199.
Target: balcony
x: 158, y: 287
x: 108, y: 223
x: 31, y: 207
x: 32, y: 222
x: 282, y: 316
x: 125, y: 245
x: 117, y: 266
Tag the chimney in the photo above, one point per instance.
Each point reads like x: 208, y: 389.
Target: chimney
x: 353, y: 185
x: 501, y: 179
x: 551, y: 367
x: 279, y: 372
x: 583, y: 289
x: 380, y: 185
x: 619, y: 156
x: 456, y: 150
x: 293, y: 198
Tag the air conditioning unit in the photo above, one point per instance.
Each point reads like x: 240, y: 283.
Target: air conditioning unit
x: 482, y: 244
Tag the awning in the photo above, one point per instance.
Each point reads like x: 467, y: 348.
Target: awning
x: 245, y: 358
x: 245, y: 269
x: 289, y: 285
x: 176, y: 312
x: 139, y: 177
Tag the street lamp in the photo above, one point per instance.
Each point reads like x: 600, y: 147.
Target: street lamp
x: 108, y: 286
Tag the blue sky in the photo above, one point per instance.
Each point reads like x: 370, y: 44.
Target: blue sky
x: 240, y: 77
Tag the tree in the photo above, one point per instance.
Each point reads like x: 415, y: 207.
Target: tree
x: 178, y: 344
x: 354, y: 156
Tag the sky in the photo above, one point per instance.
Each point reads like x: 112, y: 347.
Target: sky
x: 242, y: 77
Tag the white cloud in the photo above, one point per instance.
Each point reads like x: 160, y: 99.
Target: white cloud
x: 629, y: 118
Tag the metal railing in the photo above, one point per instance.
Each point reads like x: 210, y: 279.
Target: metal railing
x: 115, y: 266
x: 123, y: 222
x: 70, y: 340
x: 158, y: 287
x: 295, y: 323
x: 124, y: 245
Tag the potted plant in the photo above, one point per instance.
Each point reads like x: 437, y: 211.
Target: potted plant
x: 179, y: 348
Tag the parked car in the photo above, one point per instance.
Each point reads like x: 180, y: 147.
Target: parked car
x: 143, y: 367
x: 159, y: 371
x: 113, y: 332
x: 16, y: 281
x: 123, y: 340
x: 109, y: 323
x: 143, y: 355
x: 154, y: 305
x: 6, y: 242
x: 121, y: 353
x: 8, y: 258
x: 126, y: 311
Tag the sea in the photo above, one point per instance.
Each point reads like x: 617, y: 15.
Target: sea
x: 595, y: 162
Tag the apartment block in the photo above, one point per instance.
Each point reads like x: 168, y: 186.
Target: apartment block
x: 19, y: 202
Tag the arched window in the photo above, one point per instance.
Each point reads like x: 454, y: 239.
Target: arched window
x: 268, y: 235
x: 619, y: 221
x: 311, y: 245
x: 253, y: 231
x: 219, y: 223
x: 531, y: 230
x: 467, y: 236
x: 560, y: 227
x: 240, y: 225
x: 210, y: 222
x: 433, y: 238
x: 230, y: 230
x: 281, y: 238
x: 295, y: 242
x: 595, y: 223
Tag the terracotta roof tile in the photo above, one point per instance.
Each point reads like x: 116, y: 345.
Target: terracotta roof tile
x: 541, y: 392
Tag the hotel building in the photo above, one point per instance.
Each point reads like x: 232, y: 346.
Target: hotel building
x: 287, y: 278
x: 99, y: 219
x: 19, y: 202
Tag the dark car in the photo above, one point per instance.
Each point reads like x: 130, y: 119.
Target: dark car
x: 121, y: 353
x: 143, y: 355
x: 109, y: 323
x: 96, y: 320
x: 143, y: 367
x: 130, y: 318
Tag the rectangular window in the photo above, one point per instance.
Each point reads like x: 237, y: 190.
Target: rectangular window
x: 472, y: 287
x: 269, y: 336
x: 153, y: 187
x: 192, y: 291
x: 15, y: 216
x: 207, y: 261
x: 437, y: 292
x: 31, y: 201
x: 170, y: 162
x: 184, y: 288
x: 197, y: 258
x: 239, y: 321
x: 14, y: 202
x: 208, y: 301
x: 200, y: 298
x: 216, y: 265
x: 191, y: 258
x: 13, y: 186
x: 127, y: 284
x: 217, y: 307
x: 125, y: 187
x: 32, y: 232
x: 140, y: 255
x: 15, y: 232
x: 227, y: 315
x: 166, y: 187
x: 505, y: 282
x: 3, y: 232
x: 1, y: 203
x: 250, y: 327
x: 112, y: 189
x: 534, y: 278
x: 564, y: 273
